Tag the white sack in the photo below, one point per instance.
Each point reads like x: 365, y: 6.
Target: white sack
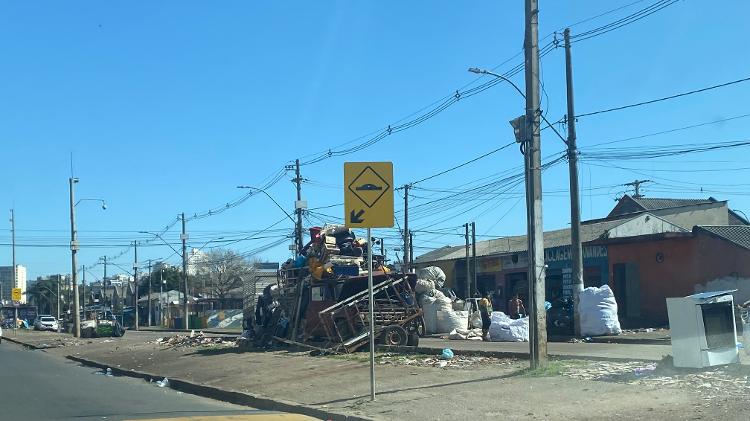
x: 449, y: 320
x: 505, y: 329
x: 429, y: 310
x: 424, y: 286
x: 466, y: 334
x: 598, y: 310
x: 476, y: 320
x: 434, y: 274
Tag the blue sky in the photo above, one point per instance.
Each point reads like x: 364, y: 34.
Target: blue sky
x: 167, y: 106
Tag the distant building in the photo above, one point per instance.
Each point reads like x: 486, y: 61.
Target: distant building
x: 7, y: 284
x: 195, y: 260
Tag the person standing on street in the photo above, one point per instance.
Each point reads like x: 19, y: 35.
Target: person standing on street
x: 485, y: 309
x: 516, y: 310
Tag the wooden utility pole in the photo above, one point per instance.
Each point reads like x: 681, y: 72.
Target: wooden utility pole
x: 149, y: 292
x: 576, y: 249
x: 184, y: 238
x: 407, y: 233
x: 468, y: 266
x: 298, y: 209
x: 636, y: 184
x: 536, y: 269
x: 135, y: 283
x: 474, y: 257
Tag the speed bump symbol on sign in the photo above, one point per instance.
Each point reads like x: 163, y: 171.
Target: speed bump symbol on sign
x: 368, y: 195
x: 16, y: 294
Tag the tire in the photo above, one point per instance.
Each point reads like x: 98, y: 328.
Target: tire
x: 394, y: 336
x: 413, y: 339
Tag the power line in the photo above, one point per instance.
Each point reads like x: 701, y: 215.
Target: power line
x: 666, y: 98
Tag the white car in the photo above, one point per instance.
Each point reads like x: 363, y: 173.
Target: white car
x: 46, y: 323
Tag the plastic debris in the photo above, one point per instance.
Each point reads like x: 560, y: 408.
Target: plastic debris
x: 163, y: 383
x: 193, y: 340
x: 447, y: 354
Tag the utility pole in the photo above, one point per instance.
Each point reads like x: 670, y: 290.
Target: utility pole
x: 104, y: 287
x: 135, y: 282
x: 15, y: 275
x: 184, y: 238
x: 411, y: 244
x: 474, y: 256
x: 298, y: 208
x: 73, y: 263
x: 13, y: 241
x: 161, y: 294
x: 468, y: 268
x: 536, y: 270
x: 407, y: 233
x: 636, y: 184
x: 58, y: 303
x: 83, y: 284
x: 576, y: 249
x: 149, y: 292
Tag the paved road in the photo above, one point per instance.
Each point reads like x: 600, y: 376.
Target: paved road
x: 37, y: 386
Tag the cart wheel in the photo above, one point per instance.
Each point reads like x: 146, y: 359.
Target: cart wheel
x: 394, y: 336
x: 413, y: 339
x: 421, y: 330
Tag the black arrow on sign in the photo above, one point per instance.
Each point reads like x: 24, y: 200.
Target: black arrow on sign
x: 356, y: 219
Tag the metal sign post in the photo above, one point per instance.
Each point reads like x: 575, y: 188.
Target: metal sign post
x: 372, y: 314
x: 368, y: 203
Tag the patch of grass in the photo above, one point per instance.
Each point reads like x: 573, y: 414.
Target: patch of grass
x: 553, y: 368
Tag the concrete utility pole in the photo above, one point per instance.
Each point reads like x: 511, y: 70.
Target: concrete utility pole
x: 474, y: 257
x: 83, y: 285
x: 407, y: 233
x: 468, y: 266
x: 73, y: 263
x: 149, y: 292
x: 576, y: 248
x: 184, y: 238
x: 636, y: 184
x: 161, y: 294
x: 13, y: 242
x: 298, y: 209
x: 536, y: 270
x: 58, y: 303
x: 104, y: 287
x: 135, y: 282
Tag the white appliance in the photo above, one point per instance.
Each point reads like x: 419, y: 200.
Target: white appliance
x: 703, y: 329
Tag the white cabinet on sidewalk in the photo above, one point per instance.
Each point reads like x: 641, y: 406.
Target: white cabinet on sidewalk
x: 703, y: 330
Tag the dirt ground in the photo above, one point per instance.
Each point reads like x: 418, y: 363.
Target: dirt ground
x: 422, y: 387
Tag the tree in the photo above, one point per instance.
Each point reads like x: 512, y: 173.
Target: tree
x: 221, y: 271
x: 171, y: 275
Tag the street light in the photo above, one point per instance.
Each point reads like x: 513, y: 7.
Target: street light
x: 74, y: 250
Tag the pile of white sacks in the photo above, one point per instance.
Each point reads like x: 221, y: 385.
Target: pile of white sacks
x: 439, y: 315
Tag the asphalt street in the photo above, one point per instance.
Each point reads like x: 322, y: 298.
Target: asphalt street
x: 37, y: 386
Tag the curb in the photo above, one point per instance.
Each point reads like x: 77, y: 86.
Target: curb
x: 230, y: 396
x: 27, y: 345
x: 211, y: 331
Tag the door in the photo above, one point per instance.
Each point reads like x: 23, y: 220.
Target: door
x: 627, y: 289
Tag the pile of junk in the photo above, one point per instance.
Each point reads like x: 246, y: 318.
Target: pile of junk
x: 321, y: 298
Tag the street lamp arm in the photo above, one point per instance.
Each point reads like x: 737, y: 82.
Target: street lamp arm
x: 104, y: 204
x: 487, y: 72
x: 272, y: 199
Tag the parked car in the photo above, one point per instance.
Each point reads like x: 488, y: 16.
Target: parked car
x: 46, y: 323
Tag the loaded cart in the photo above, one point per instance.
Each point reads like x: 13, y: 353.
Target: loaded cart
x: 398, y: 318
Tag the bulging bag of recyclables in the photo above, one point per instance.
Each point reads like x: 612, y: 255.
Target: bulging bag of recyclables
x: 434, y: 274
x: 505, y: 329
x: 598, y: 310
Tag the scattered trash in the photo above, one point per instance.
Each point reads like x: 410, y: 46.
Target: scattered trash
x: 639, y: 371
x: 193, y: 340
x: 162, y: 383
x: 443, y: 364
x: 436, y: 361
x: 108, y: 372
x: 447, y: 354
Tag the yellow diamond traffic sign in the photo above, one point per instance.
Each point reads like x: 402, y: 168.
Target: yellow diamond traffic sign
x: 368, y: 194
x: 16, y: 294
